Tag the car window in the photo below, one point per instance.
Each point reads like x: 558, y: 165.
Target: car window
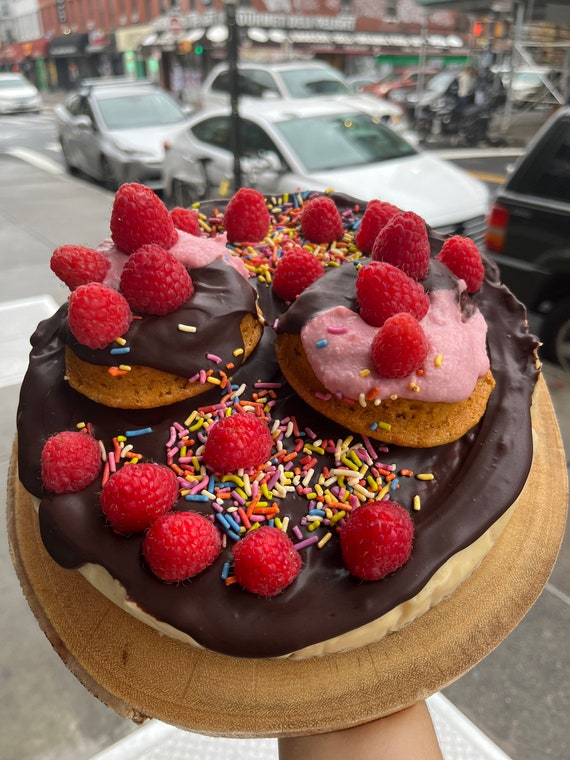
x: 255, y: 139
x: 325, y: 143
x: 255, y: 83
x: 548, y: 175
x: 215, y: 131
x: 150, y: 109
x: 304, y: 83
x: 13, y: 83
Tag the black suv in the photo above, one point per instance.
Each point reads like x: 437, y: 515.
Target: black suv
x: 528, y: 234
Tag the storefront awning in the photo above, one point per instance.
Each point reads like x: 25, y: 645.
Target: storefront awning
x: 68, y: 45
x: 18, y: 51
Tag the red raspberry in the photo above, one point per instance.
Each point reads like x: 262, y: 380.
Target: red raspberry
x: 266, y: 561
x: 154, y: 282
x: 246, y: 218
x: 98, y: 314
x: 180, y: 545
x: 376, y: 216
x: 137, y: 495
x: 140, y: 217
x: 296, y: 270
x: 399, y: 347
x: 404, y: 243
x: 462, y: 257
x: 376, y: 540
x: 320, y: 220
x: 186, y: 219
x: 236, y: 442
x: 71, y: 460
x: 77, y: 265
x: 383, y: 290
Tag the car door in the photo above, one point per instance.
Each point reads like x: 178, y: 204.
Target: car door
x: 88, y: 139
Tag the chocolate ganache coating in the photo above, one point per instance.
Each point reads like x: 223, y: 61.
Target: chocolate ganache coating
x: 476, y: 479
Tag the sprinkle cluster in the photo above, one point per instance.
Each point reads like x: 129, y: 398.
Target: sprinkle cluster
x: 285, y: 211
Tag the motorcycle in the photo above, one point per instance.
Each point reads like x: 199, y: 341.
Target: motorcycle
x: 447, y: 116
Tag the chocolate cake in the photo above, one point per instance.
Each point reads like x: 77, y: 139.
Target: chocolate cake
x: 460, y: 495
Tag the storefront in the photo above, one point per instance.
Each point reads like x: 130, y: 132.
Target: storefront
x: 68, y: 62
x: 27, y: 57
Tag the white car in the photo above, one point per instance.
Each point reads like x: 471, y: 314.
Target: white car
x: 316, y: 145
x: 18, y: 94
x: 294, y: 80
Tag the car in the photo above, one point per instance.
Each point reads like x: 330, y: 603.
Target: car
x: 18, y: 94
x: 397, y: 85
x: 320, y: 144
x: 113, y: 130
x: 294, y: 80
x: 528, y: 234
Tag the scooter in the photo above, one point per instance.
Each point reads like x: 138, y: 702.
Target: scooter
x: 448, y: 117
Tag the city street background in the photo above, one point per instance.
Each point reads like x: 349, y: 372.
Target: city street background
x: 519, y: 695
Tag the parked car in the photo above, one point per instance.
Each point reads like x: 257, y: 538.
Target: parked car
x: 114, y: 130
x: 301, y: 80
x: 528, y: 234
x: 18, y: 94
x: 397, y: 85
x: 319, y: 144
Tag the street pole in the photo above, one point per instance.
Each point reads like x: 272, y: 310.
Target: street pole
x: 233, y: 49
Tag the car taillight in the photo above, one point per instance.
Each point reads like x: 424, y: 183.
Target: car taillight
x: 166, y: 145
x: 496, y: 232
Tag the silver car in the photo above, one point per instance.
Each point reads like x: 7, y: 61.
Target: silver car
x: 18, y: 94
x: 317, y: 144
x: 114, y: 130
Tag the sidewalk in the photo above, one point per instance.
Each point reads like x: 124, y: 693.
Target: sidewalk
x: 517, y: 699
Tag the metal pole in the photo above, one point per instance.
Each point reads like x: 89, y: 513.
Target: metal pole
x: 233, y: 48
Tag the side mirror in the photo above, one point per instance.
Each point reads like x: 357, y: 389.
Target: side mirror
x: 84, y: 122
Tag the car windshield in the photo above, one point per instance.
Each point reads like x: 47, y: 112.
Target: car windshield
x: 140, y: 110
x: 304, y: 83
x: 13, y: 83
x: 325, y: 143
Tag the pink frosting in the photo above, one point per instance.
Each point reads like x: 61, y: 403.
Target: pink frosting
x: 341, y: 364
x: 193, y: 251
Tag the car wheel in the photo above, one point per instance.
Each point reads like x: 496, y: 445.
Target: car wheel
x: 555, y: 335
x: 107, y: 176
x: 183, y: 194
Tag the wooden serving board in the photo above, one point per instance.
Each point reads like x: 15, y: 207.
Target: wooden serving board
x: 139, y: 673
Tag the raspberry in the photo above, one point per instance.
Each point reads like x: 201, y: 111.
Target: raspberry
x: 137, y: 495
x: 404, y: 243
x: 154, y: 282
x: 186, y: 219
x: 462, y: 257
x: 376, y: 540
x: 296, y: 270
x: 70, y: 461
x: 376, y: 216
x: 180, y: 545
x: 140, y: 217
x: 98, y: 314
x: 399, y: 347
x: 246, y: 218
x: 383, y: 290
x: 236, y: 442
x: 77, y: 265
x: 266, y: 561
x: 320, y: 220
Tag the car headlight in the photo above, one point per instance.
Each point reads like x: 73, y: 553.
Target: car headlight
x: 135, y: 154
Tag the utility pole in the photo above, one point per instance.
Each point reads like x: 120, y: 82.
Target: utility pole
x: 233, y: 49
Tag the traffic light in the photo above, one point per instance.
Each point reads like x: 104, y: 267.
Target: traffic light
x: 198, y: 49
x: 477, y: 29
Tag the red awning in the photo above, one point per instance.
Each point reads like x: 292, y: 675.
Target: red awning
x: 19, y: 51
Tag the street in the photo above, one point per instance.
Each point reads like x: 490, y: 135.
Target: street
x: 519, y: 696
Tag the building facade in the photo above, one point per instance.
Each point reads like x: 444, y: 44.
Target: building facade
x: 177, y: 41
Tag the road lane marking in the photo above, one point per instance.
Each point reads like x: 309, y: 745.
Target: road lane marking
x: 36, y: 159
